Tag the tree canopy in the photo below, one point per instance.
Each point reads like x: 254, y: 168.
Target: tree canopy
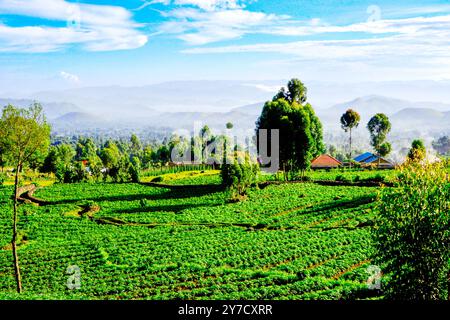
x: 23, y: 133
x: 301, y: 137
x: 379, y: 126
x: 349, y: 120
x: 418, y: 151
x: 442, y: 145
x: 296, y: 92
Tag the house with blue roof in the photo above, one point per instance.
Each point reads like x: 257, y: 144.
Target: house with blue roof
x: 370, y: 159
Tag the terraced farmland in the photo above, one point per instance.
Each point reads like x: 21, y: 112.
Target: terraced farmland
x: 289, y: 241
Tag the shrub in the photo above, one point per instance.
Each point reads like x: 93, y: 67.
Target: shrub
x: 342, y: 178
x: 239, y: 173
x: 412, y: 233
x: 377, y: 178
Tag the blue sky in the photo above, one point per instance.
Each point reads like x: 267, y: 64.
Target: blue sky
x: 57, y: 44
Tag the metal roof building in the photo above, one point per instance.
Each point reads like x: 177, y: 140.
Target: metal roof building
x: 369, y: 158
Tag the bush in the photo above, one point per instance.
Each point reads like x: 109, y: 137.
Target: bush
x: 377, y: 178
x: 125, y: 170
x: 412, y: 234
x: 240, y: 175
x: 342, y: 178
x: 72, y: 173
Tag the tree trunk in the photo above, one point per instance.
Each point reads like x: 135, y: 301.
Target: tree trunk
x: 350, y: 147
x: 14, y: 238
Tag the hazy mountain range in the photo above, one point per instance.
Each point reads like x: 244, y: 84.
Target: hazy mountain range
x: 180, y: 104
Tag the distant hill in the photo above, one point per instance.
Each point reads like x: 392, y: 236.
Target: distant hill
x: 417, y: 118
x: 402, y: 112
x: 405, y: 115
x: 78, y: 120
x: 51, y: 109
x: 174, y: 96
x: 254, y: 109
x: 371, y: 105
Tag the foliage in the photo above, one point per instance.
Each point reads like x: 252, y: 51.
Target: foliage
x: 72, y: 173
x: 136, y: 146
x: 350, y: 119
x: 300, y: 129
x: 343, y: 178
x: 85, y: 149
x: 239, y: 173
x: 23, y: 133
x: 379, y: 126
x: 57, y: 157
x: 417, y: 153
x: 296, y: 92
x: 384, y: 149
x: 334, y: 152
x: 110, y: 154
x: 125, y: 170
x: 413, y: 235
x: 147, y: 157
x: 442, y: 145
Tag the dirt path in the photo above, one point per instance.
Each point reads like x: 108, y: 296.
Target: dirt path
x: 26, y: 195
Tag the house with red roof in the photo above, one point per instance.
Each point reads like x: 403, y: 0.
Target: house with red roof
x: 325, y: 161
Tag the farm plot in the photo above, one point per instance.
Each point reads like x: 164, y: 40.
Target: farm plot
x: 292, y: 241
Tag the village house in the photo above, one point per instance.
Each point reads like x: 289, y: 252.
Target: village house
x: 325, y: 161
x: 369, y: 159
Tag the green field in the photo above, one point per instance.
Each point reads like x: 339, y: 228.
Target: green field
x: 287, y: 241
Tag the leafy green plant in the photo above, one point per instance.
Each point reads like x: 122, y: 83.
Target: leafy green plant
x: 412, y: 234
x: 342, y: 178
x: 240, y: 174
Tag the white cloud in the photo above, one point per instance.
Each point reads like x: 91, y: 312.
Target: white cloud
x: 199, y: 22
x: 69, y: 77
x: 263, y: 87
x: 211, y: 5
x: 403, y: 47
x: 95, y: 27
x: 198, y: 27
x: 420, y: 37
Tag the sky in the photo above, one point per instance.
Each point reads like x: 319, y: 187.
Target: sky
x: 60, y: 44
